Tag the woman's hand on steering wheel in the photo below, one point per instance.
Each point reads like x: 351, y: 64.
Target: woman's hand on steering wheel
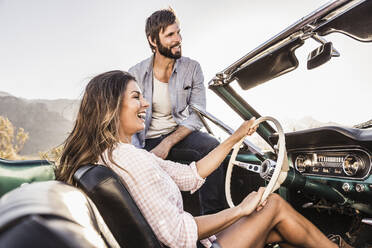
x: 273, y: 172
x: 251, y: 202
x: 245, y: 129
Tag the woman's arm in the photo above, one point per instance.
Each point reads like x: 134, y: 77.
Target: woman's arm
x: 210, y: 162
x: 214, y: 223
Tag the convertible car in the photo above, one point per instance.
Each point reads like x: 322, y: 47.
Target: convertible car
x: 324, y: 172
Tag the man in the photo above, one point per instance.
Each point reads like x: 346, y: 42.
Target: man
x: 170, y: 83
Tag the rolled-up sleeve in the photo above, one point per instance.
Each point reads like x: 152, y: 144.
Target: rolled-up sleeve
x: 197, y: 97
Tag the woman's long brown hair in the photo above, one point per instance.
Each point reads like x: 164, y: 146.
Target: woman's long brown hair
x: 96, y: 127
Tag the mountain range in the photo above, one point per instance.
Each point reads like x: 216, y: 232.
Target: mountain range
x: 46, y: 121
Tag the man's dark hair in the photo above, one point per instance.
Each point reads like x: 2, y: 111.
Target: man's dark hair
x: 159, y: 21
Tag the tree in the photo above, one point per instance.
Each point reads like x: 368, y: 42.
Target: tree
x: 11, y: 140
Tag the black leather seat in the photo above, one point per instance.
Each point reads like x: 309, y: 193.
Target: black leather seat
x: 51, y: 214
x: 116, y: 206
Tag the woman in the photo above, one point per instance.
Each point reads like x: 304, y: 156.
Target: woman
x: 111, y: 111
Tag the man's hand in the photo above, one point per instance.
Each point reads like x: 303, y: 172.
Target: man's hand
x: 162, y: 150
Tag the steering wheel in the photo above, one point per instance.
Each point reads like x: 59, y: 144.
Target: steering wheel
x: 274, y: 172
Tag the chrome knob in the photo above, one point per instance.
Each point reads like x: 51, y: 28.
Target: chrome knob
x: 360, y: 188
x: 347, y: 187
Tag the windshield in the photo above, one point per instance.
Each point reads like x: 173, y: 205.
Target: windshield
x: 336, y: 93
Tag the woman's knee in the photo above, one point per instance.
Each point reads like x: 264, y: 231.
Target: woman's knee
x: 274, y: 207
x: 275, y: 201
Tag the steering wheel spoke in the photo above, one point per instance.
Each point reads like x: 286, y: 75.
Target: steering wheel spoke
x: 256, y: 168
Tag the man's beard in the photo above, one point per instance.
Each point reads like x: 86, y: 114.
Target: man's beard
x: 167, y: 52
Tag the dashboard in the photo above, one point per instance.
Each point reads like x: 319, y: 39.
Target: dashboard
x: 330, y: 151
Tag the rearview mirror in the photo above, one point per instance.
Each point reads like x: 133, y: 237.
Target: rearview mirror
x: 319, y: 56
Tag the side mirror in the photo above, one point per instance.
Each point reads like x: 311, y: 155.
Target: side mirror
x: 319, y: 56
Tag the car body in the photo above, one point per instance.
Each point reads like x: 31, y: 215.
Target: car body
x: 330, y: 177
x: 330, y: 166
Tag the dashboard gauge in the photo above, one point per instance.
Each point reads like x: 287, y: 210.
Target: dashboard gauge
x: 301, y: 163
x: 352, y: 164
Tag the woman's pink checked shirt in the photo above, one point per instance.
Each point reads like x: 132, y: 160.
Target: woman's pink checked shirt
x: 155, y: 186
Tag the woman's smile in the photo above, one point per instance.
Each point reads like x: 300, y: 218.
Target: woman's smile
x: 133, y: 111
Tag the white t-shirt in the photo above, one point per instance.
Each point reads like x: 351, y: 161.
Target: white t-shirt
x: 162, y: 121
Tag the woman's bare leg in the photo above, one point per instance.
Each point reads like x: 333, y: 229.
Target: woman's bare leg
x: 275, y: 237
x: 276, y: 222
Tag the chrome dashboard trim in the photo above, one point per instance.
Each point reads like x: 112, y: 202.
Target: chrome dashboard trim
x: 347, y: 151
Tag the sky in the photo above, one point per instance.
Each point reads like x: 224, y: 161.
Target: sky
x: 50, y: 49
